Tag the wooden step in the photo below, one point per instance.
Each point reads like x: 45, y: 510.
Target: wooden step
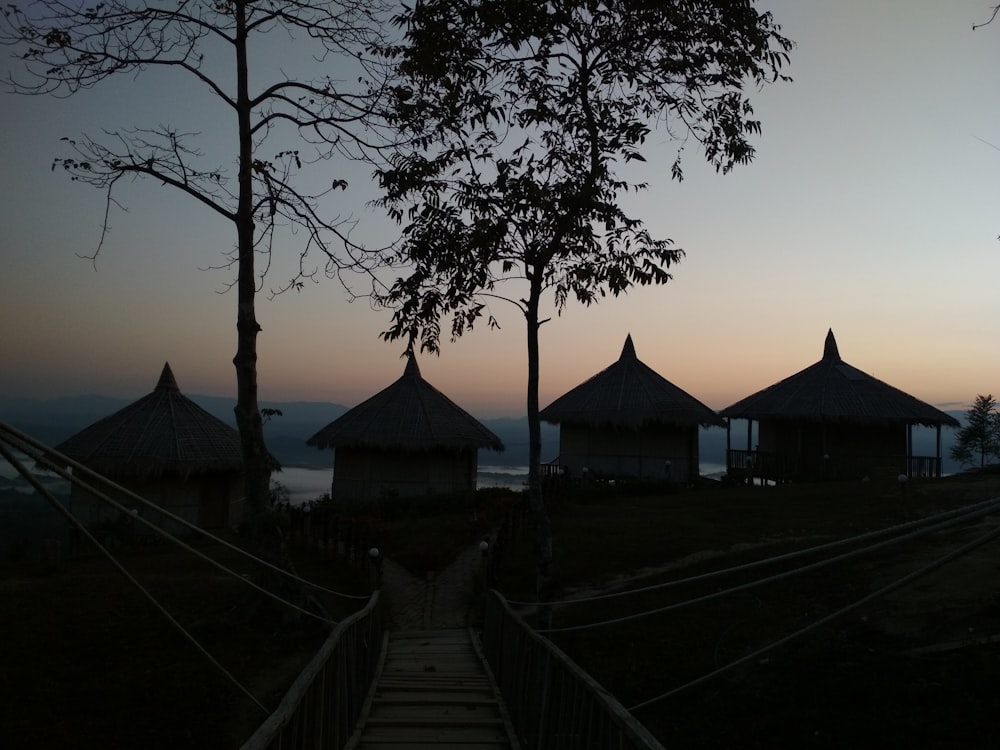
x: 433, y: 690
x: 433, y: 697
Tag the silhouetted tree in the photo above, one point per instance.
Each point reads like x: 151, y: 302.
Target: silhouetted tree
x: 980, y: 438
x: 67, y: 47
x: 524, y: 114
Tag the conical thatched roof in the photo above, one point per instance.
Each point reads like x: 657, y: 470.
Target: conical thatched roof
x: 161, y: 433
x: 410, y: 414
x: 629, y: 393
x: 833, y: 391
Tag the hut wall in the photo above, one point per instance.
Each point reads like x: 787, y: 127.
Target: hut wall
x: 640, y: 453
x: 835, y: 450
x: 90, y: 511
x: 210, y: 500
x: 220, y: 500
x: 366, y: 474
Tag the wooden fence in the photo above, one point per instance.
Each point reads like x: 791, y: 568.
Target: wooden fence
x: 320, y: 527
x: 553, y: 703
x: 322, y: 707
x: 503, y: 540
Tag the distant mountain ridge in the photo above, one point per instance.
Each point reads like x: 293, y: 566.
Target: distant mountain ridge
x: 53, y: 420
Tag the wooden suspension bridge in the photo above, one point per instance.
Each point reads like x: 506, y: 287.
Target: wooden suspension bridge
x: 406, y: 673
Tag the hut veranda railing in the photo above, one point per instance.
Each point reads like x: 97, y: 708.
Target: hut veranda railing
x: 553, y: 703
x: 779, y: 466
x: 322, y: 706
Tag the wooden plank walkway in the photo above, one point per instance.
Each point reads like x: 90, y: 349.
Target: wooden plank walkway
x: 433, y: 690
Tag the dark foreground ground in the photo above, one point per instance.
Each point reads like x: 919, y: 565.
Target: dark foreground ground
x: 86, y: 662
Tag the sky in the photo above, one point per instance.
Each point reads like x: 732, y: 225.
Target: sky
x: 872, y: 208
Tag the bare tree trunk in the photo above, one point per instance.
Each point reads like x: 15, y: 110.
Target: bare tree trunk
x: 536, y: 501
x: 256, y: 462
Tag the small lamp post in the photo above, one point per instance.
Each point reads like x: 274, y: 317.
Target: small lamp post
x: 375, y: 556
x: 484, y: 561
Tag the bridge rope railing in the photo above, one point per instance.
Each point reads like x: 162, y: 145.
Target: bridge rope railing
x: 322, y: 707
x: 7, y: 455
x: 100, y: 488
x: 553, y: 703
x: 896, y: 532
x: 896, y: 585
x: 960, y: 517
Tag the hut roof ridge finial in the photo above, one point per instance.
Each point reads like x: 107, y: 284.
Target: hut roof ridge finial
x: 411, y: 370
x: 830, y: 350
x: 167, y: 380
x: 628, y: 351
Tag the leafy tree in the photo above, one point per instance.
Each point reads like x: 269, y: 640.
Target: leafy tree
x: 980, y: 438
x: 524, y: 115
x: 67, y: 47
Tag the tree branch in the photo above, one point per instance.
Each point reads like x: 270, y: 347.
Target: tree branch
x: 988, y: 21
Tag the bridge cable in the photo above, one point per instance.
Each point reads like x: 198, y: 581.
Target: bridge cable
x: 776, y: 577
x: 896, y: 585
x: 890, y: 530
x: 188, y: 548
x: 43, y: 454
x: 127, y: 513
x: 42, y: 490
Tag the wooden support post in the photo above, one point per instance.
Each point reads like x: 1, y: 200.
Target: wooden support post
x: 909, y: 450
x: 937, y: 452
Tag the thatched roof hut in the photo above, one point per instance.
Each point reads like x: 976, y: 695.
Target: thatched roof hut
x: 629, y: 421
x: 408, y: 439
x: 169, y: 450
x: 163, y: 432
x: 832, y: 419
